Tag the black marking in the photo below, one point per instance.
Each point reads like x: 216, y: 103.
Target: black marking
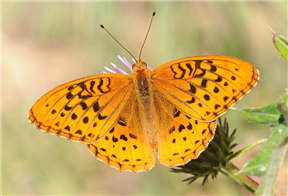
x: 226, y: 107
x: 225, y: 98
x: 216, y: 89
x: 132, y: 136
x: 114, y: 156
x: 181, y: 127
x: 207, y: 97
x: 62, y: 114
x: 236, y: 69
x: 233, y: 78
x: 184, y: 138
x: 219, y: 79
x: 188, y: 117
x: 95, y: 124
x: 138, y: 159
x: 103, y: 149
x: 204, y: 83
x: 183, y: 71
x: 173, y: 141
x: 57, y: 124
x: 194, y: 152
x: 233, y: 90
x: 135, y: 147
x: 189, y: 127
x: 78, y: 132
x: 67, y: 128
x: 96, y: 107
x: 188, y: 65
x: 207, y: 112
x: 101, y: 117
x: 196, y: 142
x: 90, y: 135
x: 191, y: 101
x: 84, y: 105
x: 217, y: 106
x: 121, y: 121
x: 67, y: 108
x: 176, y: 113
x: 83, y: 138
x: 235, y: 99
x: 123, y: 137
x: 196, y: 122
x: 213, y: 68
x: 106, y: 137
x: 100, y: 85
x: 203, y: 132
x: 53, y: 111
x: 225, y: 84
x: 203, y: 143
x: 85, y: 120
x: 70, y: 88
x: 172, y: 129
x: 175, y: 154
x: 112, y: 130
x: 187, y: 150
x: 126, y: 160
x: 92, y: 83
x: 123, y: 148
x: 201, y: 74
x: 200, y: 105
x: 47, y: 105
x: 197, y: 64
x: 73, y: 116
x: 192, y: 89
x: 209, y: 61
x: 70, y: 135
x: 69, y: 95
x: 114, y: 139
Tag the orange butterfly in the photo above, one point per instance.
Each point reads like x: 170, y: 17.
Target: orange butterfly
x: 124, y: 118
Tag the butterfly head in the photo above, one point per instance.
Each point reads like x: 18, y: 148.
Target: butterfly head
x: 139, y: 66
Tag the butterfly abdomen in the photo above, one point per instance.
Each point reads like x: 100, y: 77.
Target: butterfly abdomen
x: 143, y: 87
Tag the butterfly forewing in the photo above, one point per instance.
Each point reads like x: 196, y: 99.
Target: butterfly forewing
x: 205, y: 87
x: 84, y: 109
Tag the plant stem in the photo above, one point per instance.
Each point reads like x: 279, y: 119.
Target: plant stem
x: 234, y: 173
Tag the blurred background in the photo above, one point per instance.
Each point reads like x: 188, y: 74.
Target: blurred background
x: 46, y: 44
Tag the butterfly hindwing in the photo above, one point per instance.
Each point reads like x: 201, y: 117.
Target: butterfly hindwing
x: 82, y: 110
x: 181, y: 137
x: 126, y: 145
x: 205, y: 87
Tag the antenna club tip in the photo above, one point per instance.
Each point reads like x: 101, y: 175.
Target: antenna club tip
x: 154, y: 13
x: 101, y: 26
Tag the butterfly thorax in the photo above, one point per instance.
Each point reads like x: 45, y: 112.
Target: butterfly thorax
x: 143, y: 87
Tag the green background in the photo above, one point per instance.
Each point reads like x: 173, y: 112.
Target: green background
x: 49, y: 43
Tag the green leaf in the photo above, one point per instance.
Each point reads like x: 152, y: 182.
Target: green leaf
x: 248, y: 148
x: 281, y: 44
x: 268, y: 183
x: 269, y: 115
x: 258, y: 165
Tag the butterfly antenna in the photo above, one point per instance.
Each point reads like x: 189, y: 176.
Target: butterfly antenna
x: 147, y: 34
x: 116, y: 40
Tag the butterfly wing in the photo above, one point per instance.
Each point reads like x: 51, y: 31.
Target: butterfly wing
x: 205, y: 87
x: 83, y: 110
x: 126, y: 145
x: 181, y: 138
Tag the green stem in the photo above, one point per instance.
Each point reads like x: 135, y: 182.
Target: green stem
x: 234, y: 173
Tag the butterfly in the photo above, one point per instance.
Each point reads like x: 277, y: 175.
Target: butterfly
x: 123, y: 119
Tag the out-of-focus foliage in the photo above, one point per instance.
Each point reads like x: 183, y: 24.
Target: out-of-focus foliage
x: 45, y: 44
